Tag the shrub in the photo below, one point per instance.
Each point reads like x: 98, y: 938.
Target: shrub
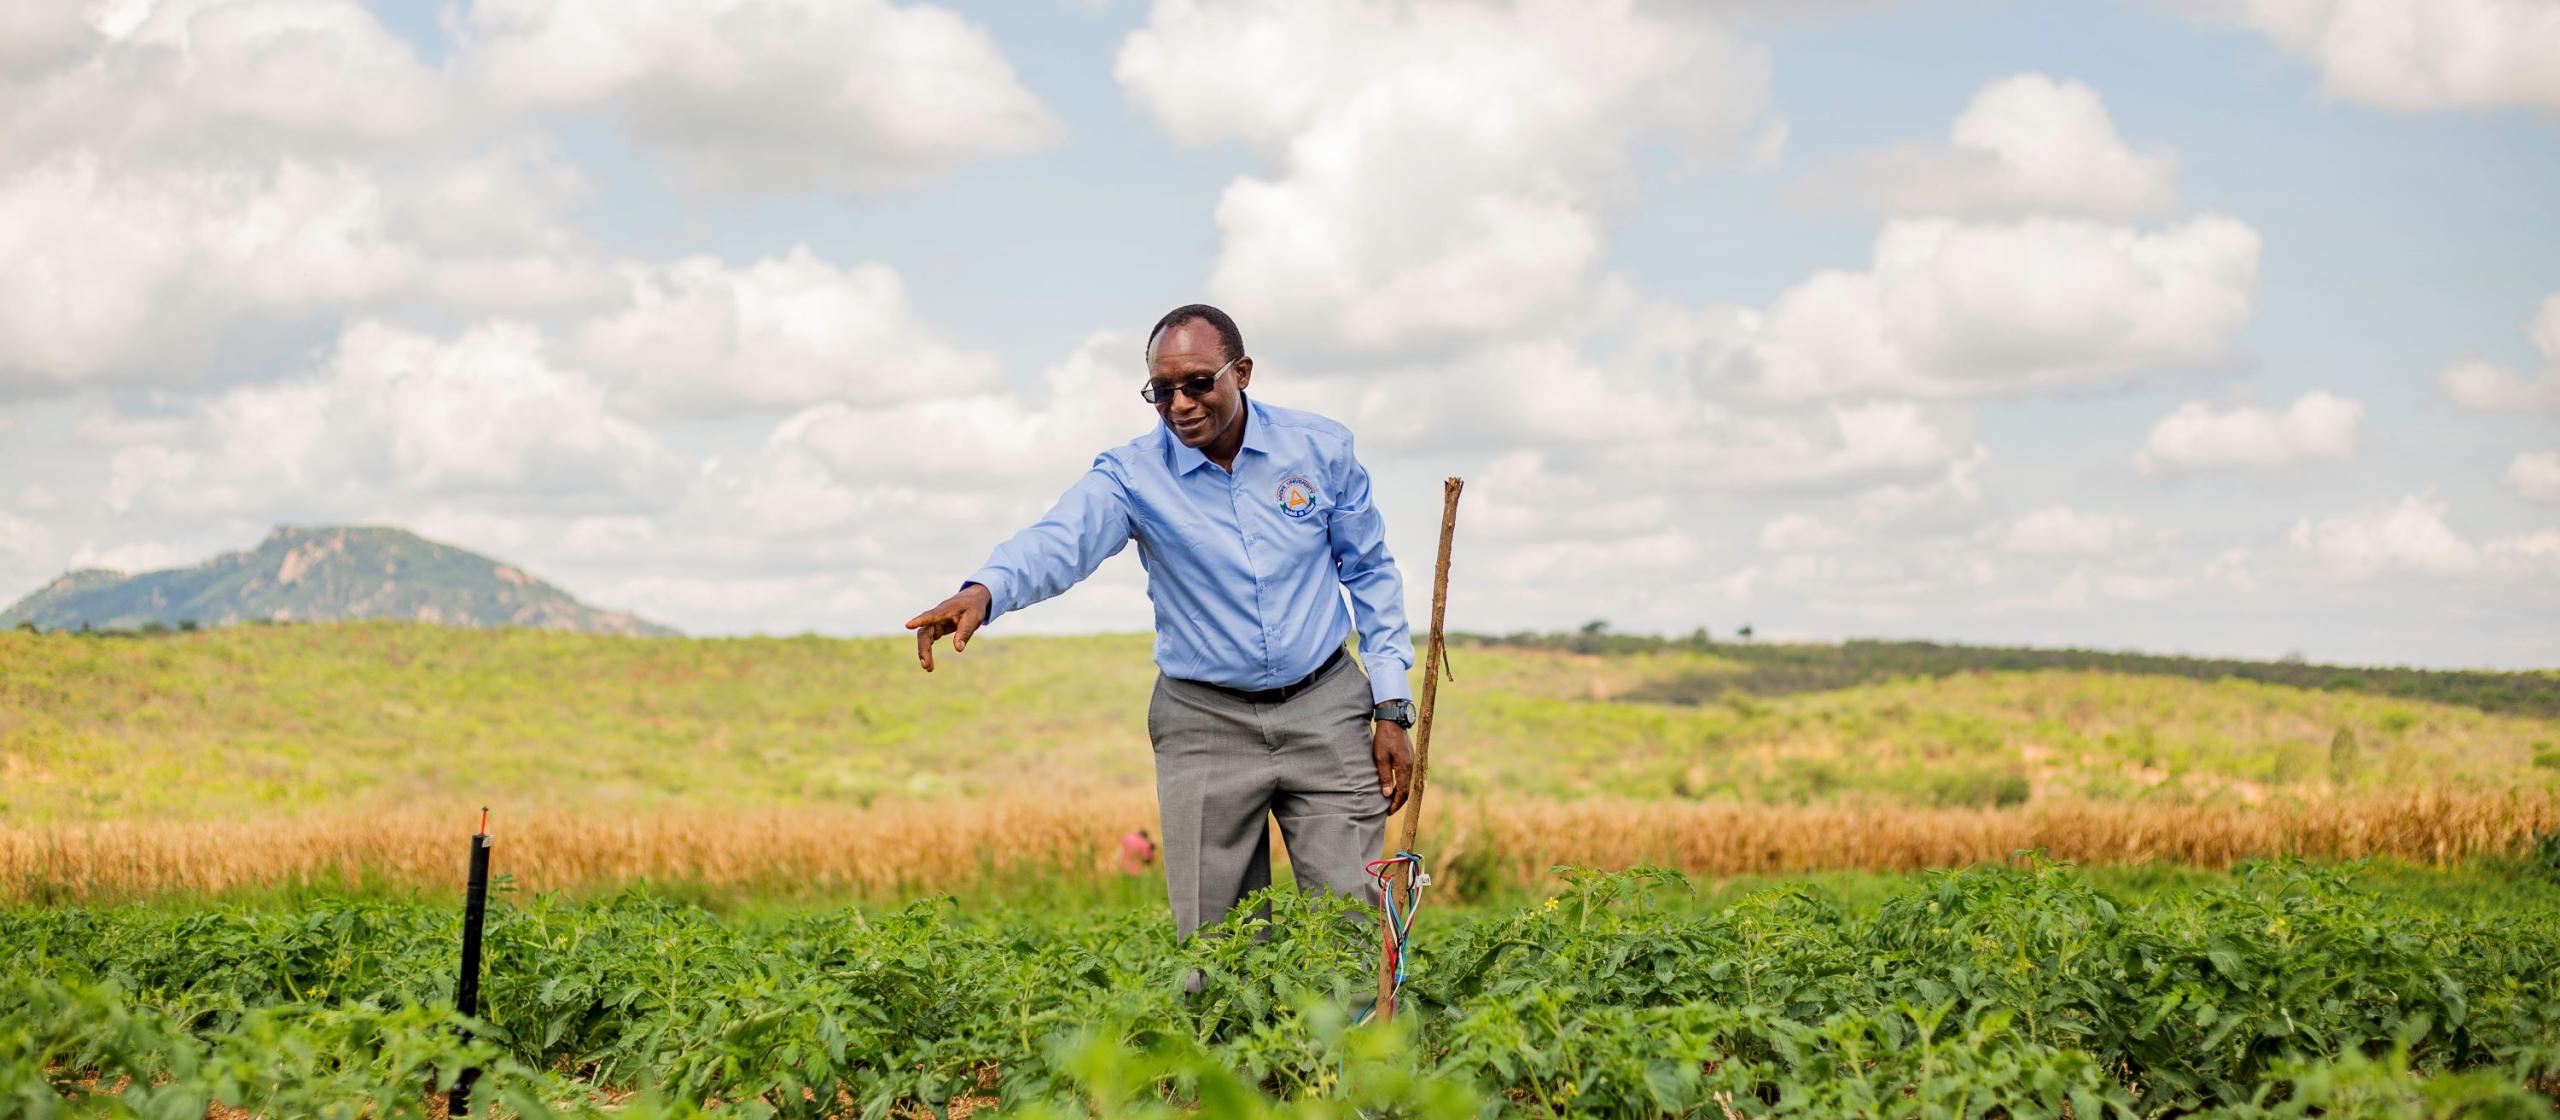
x: 1981, y: 789
x: 2344, y: 756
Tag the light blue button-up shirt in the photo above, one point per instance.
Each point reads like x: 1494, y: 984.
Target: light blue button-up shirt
x: 1246, y: 570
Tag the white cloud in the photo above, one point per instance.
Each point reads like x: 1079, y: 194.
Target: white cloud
x: 1545, y: 392
x: 867, y: 512
x: 1444, y: 168
x: 489, y: 410
x: 1799, y: 532
x: 2526, y: 555
x: 2084, y: 586
x: 783, y: 332
x: 1966, y: 310
x: 1521, y: 495
x: 1841, y: 445
x: 743, y: 97
x: 1950, y: 502
x: 1628, y: 416
x: 488, y: 230
x: 206, y: 170
x: 982, y: 442
x: 118, y: 275
x: 2019, y: 282
x: 19, y: 536
x: 1895, y: 517
x: 391, y: 416
x: 1891, y: 554
x: 1876, y: 585
x: 2535, y: 476
x: 1543, y: 562
x: 2318, y: 427
x: 2063, y: 531
x: 2435, y: 54
x: 150, y: 471
x: 2409, y: 537
x: 190, y: 79
x: 2232, y: 568
x: 36, y: 39
x: 2026, y: 144
x: 106, y: 270
x: 2484, y: 387
x: 135, y: 556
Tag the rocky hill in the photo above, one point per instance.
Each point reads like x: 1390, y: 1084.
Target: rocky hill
x: 319, y: 574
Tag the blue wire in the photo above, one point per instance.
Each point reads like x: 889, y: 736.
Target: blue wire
x: 1400, y: 926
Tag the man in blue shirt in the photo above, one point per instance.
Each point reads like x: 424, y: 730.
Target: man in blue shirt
x: 1252, y: 522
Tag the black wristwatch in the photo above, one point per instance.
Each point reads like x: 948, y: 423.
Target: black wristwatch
x: 1398, y: 712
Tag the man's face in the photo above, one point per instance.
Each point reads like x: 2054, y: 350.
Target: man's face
x: 1185, y: 352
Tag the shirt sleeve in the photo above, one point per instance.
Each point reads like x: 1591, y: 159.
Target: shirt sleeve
x: 1089, y: 525
x: 1369, y: 573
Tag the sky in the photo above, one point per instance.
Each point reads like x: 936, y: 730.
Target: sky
x: 2211, y: 326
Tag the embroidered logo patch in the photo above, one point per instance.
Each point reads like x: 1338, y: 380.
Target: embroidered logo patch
x: 1297, y: 496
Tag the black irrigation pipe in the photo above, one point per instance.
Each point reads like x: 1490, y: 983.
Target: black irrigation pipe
x: 466, y: 995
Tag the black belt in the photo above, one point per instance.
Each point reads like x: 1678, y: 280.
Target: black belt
x: 1276, y: 695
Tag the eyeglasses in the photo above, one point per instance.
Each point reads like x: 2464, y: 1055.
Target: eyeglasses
x: 1193, y: 387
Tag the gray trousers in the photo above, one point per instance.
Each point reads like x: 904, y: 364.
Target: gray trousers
x: 1226, y: 767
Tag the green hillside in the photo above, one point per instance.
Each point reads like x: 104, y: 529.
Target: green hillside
x: 318, y: 574
x: 220, y: 723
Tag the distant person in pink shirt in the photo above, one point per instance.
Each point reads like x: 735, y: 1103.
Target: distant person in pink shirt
x: 1137, y: 853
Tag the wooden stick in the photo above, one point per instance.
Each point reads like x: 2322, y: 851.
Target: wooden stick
x: 1433, y: 653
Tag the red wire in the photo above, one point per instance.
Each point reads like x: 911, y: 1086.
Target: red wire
x: 1378, y: 869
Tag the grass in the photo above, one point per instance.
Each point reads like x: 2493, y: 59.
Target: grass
x: 272, y: 722
x: 277, y: 757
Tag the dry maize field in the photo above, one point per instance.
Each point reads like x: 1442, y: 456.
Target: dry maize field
x: 1481, y: 845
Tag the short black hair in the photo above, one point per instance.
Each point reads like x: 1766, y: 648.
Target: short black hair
x: 1230, y: 339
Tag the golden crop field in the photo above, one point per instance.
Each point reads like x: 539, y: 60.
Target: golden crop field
x: 258, y: 756
x: 907, y: 849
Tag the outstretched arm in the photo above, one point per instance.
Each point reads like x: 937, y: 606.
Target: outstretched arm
x: 1089, y: 524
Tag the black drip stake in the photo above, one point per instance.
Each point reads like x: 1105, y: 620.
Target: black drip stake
x: 466, y: 995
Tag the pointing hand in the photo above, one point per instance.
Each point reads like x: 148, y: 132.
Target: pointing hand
x: 959, y: 616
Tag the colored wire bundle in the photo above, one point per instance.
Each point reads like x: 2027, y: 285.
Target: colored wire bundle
x: 1398, y: 921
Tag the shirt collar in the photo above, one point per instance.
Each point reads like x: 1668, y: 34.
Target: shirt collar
x: 1257, y: 437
